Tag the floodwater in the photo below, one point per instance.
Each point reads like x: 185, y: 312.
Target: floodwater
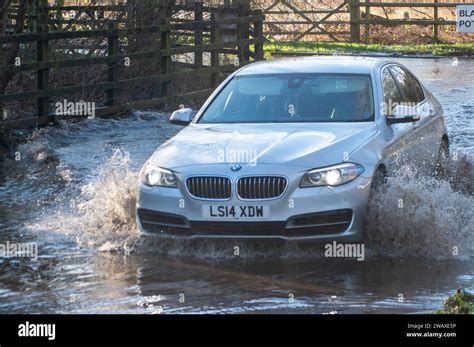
x: 73, y: 191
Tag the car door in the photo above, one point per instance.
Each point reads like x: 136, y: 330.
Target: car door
x: 398, y: 151
x: 422, y: 135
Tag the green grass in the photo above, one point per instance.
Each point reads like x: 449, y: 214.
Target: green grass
x: 461, y: 302
x: 455, y: 49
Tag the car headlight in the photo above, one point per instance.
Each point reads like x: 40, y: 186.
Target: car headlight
x: 156, y: 176
x: 332, y: 175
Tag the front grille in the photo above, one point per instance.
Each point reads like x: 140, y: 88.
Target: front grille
x: 209, y: 187
x: 261, y: 187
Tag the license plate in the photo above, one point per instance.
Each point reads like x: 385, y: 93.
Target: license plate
x: 235, y: 211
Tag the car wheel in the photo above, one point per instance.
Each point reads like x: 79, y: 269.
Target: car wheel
x: 378, y: 185
x: 441, y: 169
x: 379, y: 180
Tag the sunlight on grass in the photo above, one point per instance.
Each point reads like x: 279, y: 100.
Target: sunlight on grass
x: 333, y: 47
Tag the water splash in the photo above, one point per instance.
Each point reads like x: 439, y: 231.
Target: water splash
x: 107, y: 205
x: 414, y: 216
x: 423, y: 216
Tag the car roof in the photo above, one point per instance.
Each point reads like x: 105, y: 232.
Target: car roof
x: 315, y: 64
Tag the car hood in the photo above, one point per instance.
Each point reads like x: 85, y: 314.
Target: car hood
x: 304, y: 144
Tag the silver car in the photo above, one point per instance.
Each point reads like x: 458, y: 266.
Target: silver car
x: 291, y: 149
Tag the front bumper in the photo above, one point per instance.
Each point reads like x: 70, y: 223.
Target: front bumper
x: 319, y: 213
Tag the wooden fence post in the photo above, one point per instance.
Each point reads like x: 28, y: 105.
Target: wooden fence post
x: 258, y: 34
x: 4, y: 19
x: 198, y: 39
x: 3, y: 29
x: 435, y: 18
x: 32, y: 22
x: 42, y: 54
x: 165, y: 44
x: 59, y: 14
x: 112, y: 68
x: 244, y: 29
x: 367, y: 25
x: 354, y: 9
x: 215, y: 38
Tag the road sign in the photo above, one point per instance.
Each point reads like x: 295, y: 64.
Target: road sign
x: 465, y: 18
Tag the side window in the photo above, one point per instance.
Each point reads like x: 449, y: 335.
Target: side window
x: 420, y: 96
x: 409, y: 86
x: 391, y: 94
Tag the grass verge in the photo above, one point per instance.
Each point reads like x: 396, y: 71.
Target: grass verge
x: 440, y: 49
x: 461, y: 302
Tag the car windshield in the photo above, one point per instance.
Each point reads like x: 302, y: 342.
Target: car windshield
x: 288, y: 98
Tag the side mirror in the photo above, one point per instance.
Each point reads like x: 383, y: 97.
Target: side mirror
x: 406, y: 119
x: 403, y: 114
x: 183, y: 116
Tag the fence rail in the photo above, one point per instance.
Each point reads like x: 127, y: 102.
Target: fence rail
x: 209, y: 33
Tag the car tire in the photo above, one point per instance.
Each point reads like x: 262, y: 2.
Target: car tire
x: 379, y: 181
x: 441, y: 169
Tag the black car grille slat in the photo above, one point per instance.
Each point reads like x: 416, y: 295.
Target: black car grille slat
x: 330, y: 221
x: 209, y: 187
x: 158, y: 222
x: 261, y: 187
x: 237, y: 228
